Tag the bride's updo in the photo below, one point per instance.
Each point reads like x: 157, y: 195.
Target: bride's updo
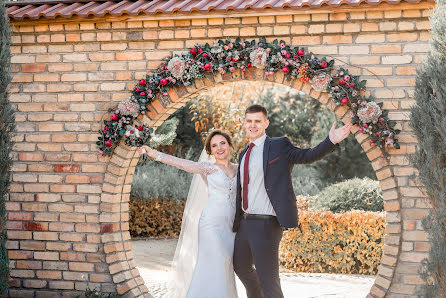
x: 215, y: 132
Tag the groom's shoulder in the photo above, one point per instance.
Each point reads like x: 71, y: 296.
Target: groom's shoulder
x: 280, y: 140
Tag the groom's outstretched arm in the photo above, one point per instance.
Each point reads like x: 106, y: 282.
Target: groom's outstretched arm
x: 299, y: 155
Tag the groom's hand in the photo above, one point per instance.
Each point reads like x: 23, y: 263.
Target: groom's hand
x: 336, y: 135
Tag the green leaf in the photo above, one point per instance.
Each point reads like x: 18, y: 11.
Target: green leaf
x: 275, y: 42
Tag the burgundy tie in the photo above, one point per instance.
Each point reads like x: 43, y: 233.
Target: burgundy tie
x: 246, y: 177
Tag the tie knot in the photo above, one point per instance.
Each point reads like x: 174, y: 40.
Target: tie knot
x: 251, y: 145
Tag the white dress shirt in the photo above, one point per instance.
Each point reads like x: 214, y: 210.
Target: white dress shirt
x: 258, y: 200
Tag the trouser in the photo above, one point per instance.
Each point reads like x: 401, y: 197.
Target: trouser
x: 257, y: 244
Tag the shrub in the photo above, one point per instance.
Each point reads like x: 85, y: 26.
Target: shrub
x: 7, y: 128
x: 96, y: 294
x: 157, y: 180
x: 359, y: 194
x: 334, y: 243
x: 157, y: 218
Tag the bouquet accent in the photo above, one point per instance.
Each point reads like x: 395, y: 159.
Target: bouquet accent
x: 226, y: 56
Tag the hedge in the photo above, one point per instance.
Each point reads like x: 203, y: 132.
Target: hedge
x: 328, y: 242
x: 155, y: 218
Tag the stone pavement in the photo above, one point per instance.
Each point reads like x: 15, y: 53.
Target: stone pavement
x: 153, y: 259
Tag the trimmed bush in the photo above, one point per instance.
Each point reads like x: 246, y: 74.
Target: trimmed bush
x: 157, y: 180
x: 155, y: 218
x: 334, y: 243
x: 358, y: 194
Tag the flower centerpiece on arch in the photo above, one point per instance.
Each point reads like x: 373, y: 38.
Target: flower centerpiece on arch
x: 226, y: 56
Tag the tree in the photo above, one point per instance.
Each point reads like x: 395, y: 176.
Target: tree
x: 7, y: 128
x: 428, y: 121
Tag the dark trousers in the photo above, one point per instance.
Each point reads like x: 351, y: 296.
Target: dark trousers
x: 257, y: 243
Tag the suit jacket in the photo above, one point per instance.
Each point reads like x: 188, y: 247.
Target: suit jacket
x: 279, y: 157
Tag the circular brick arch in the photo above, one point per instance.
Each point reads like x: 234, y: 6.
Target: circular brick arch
x: 116, y: 190
x: 68, y: 206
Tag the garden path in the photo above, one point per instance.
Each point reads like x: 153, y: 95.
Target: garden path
x: 153, y: 258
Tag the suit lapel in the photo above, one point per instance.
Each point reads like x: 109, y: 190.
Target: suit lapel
x: 266, y: 147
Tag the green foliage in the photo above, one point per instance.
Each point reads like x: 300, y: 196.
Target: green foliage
x: 348, y: 161
x: 307, y: 180
x: 187, y: 139
x: 157, y: 180
x: 292, y: 116
x: 354, y: 194
x: 96, y: 294
x: 7, y: 128
x: 428, y: 121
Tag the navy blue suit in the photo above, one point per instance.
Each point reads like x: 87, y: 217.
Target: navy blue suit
x: 257, y: 241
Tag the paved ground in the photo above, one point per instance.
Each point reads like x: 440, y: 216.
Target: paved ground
x: 154, y: 256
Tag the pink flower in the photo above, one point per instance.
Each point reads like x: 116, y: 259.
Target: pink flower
x: 283, y: 52
x: 288, y: 55
x: 282, y: 45
x: 231, y: 69
x: 108, y: 143
x: 142, y: 94
x: 347, y: 78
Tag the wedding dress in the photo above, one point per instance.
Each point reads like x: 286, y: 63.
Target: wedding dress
x: 202, y: 266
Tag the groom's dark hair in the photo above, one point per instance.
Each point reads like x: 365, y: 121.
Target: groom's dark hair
x: 256, y: 109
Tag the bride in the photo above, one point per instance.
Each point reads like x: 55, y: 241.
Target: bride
x: 202, y: 265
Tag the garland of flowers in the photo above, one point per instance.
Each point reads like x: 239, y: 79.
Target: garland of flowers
x: 225, y: 56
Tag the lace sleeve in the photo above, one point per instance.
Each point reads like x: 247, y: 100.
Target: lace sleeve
x: 203, y: 168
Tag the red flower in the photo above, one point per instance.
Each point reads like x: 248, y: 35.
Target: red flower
x: 351, y: 85
x: 108, y: 143
x: 285, y: 69
x: 301, y: 52
x: 163, y: 82
x: 288, y: 55
x: 142, y: 94
x: 142, y: 82
x: 114, y: 117
x: 323, y: 64
x: 207, y: 66
x: 140, y: 128
x: 205, y: 55
x: 200, y: 50
x: 341, y: 81
x: 344, y: 101
x: 136, y: 89
x: 249, y: 64
x: 193, y: 52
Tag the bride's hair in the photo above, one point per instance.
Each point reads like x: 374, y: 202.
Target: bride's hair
x: 213, y: 133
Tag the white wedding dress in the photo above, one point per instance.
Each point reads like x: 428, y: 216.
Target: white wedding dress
x: 202, y: 266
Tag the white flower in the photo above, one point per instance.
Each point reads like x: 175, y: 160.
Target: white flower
x: 129, y: 107
x: 320, y: 82
x: 176, y: 66
x: 258, y: 58
x: 370, y: 112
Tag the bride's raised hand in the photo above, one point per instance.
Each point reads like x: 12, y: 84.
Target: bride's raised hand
x: 149, y: 151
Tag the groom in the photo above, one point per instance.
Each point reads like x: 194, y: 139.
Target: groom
x: 266, y: 203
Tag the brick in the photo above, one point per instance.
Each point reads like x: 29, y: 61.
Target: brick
x: 370, y: 38
x: 62, y: 188
x: 316, y: 29
x: 61, y: 285
x: 33, y: 67
x: 80, y: 266
x: 402, y: 37
x: 29, y: 265
x: 61, y: 227
x: 44, y: 255
x: 351, y: 27
x: 403, y: 59
x: 32, y: 283
x: 386, y: 49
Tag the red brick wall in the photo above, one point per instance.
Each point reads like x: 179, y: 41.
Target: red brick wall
x: 68, y: 208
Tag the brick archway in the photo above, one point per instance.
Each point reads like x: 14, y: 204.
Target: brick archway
x: 68, y: 207
x: 118, y: 247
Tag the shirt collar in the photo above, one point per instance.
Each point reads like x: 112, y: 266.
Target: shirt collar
x: 260, y: 141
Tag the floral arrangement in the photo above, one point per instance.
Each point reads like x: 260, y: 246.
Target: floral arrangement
x: 226, y: 56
